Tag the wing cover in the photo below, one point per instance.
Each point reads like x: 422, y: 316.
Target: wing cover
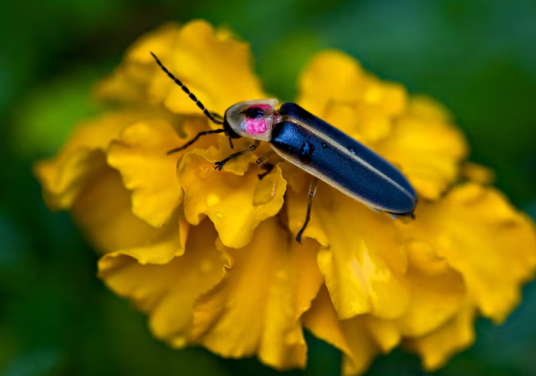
x: 322, y: 150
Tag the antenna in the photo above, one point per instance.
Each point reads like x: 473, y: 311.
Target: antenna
x: 187, y: 91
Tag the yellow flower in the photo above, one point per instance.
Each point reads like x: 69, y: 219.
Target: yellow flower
x: 210, y: 256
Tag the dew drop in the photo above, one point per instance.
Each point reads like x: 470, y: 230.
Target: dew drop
x: 219, y: 215
x: 212, y: 199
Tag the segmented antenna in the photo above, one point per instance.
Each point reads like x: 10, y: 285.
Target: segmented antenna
x: 187, y: 91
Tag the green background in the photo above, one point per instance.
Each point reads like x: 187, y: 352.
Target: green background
x: 56, y: 318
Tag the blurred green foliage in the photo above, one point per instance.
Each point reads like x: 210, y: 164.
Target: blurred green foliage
x: 56, y: 318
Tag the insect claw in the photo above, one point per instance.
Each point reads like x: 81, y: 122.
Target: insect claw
x: 298, y: 238
x: 219, y: 165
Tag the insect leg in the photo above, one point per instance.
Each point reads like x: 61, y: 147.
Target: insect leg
x: 219, y: 165
x: 268, y: 167
x: 265, y: 166
x: 312, y: 192
x: 205, y: 133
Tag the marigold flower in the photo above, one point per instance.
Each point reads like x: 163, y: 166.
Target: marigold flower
x: 210, y: 255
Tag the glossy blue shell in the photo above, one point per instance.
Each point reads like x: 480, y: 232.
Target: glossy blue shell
x: 337, y: 159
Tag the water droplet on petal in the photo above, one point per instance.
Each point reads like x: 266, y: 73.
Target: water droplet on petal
x: 219, y: 215
x: 212, y: 199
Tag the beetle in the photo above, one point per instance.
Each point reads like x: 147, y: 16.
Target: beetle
x: 316, y: 147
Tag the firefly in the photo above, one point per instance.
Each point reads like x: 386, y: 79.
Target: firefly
x: 311, y: 144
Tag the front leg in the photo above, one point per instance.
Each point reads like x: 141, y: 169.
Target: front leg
x: 262, y: 163
x: 268, y: 168
x: 219, y: 165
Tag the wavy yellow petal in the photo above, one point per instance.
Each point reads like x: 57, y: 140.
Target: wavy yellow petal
x: 428, y: 109
x: 322, y: 320
x: 423, y: 259
x: 366, y: 123
x: 478, y: 173
x: 129, y: 82
x: 235, y: 204
x: 481, y: 236
x: 295, y: 177
x: 363, y: 347
x: 214, y: 67
x: 104, y: 212
x: 372, y: 123
x: 437, y: 347
x: 389, y: 97
x: 158, y: 42
x: 171, y: 243
x: 335, y: 88
x: 343, y: 116
x: 434, y: 300
x: 256, y: 308
x: 81, y: 160
x: 165, y: 285
x: 385, y: 333
x: 330, y: 76
x: 140, y: 155
x: 361, y: 338
x: 362, y: 261
x: 413, y: 146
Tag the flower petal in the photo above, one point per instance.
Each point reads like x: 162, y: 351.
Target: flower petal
x: 129, y: 83
x: 213, y: 66
x: 335, y: 88
x: 437, y: 347
x: 104, y: 212
x: 166, y: 287
x: 82, y: 160
x: 256, y: 308
x: 428, y: 109
x: 434, y: 300
x: 363, y: 347
x: 481, y: 236
x: 235, y: 204
x: 361, y: 338
x: 413, y: 146
x: 330, y: 76
x: 211, y: 63
x: 322, y: 320
x: 362, y: 261
x: 141, y: 157
x: 478, y: 173
x: 390, y: 97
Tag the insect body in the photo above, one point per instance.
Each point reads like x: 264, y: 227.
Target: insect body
x: 320, y: 149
